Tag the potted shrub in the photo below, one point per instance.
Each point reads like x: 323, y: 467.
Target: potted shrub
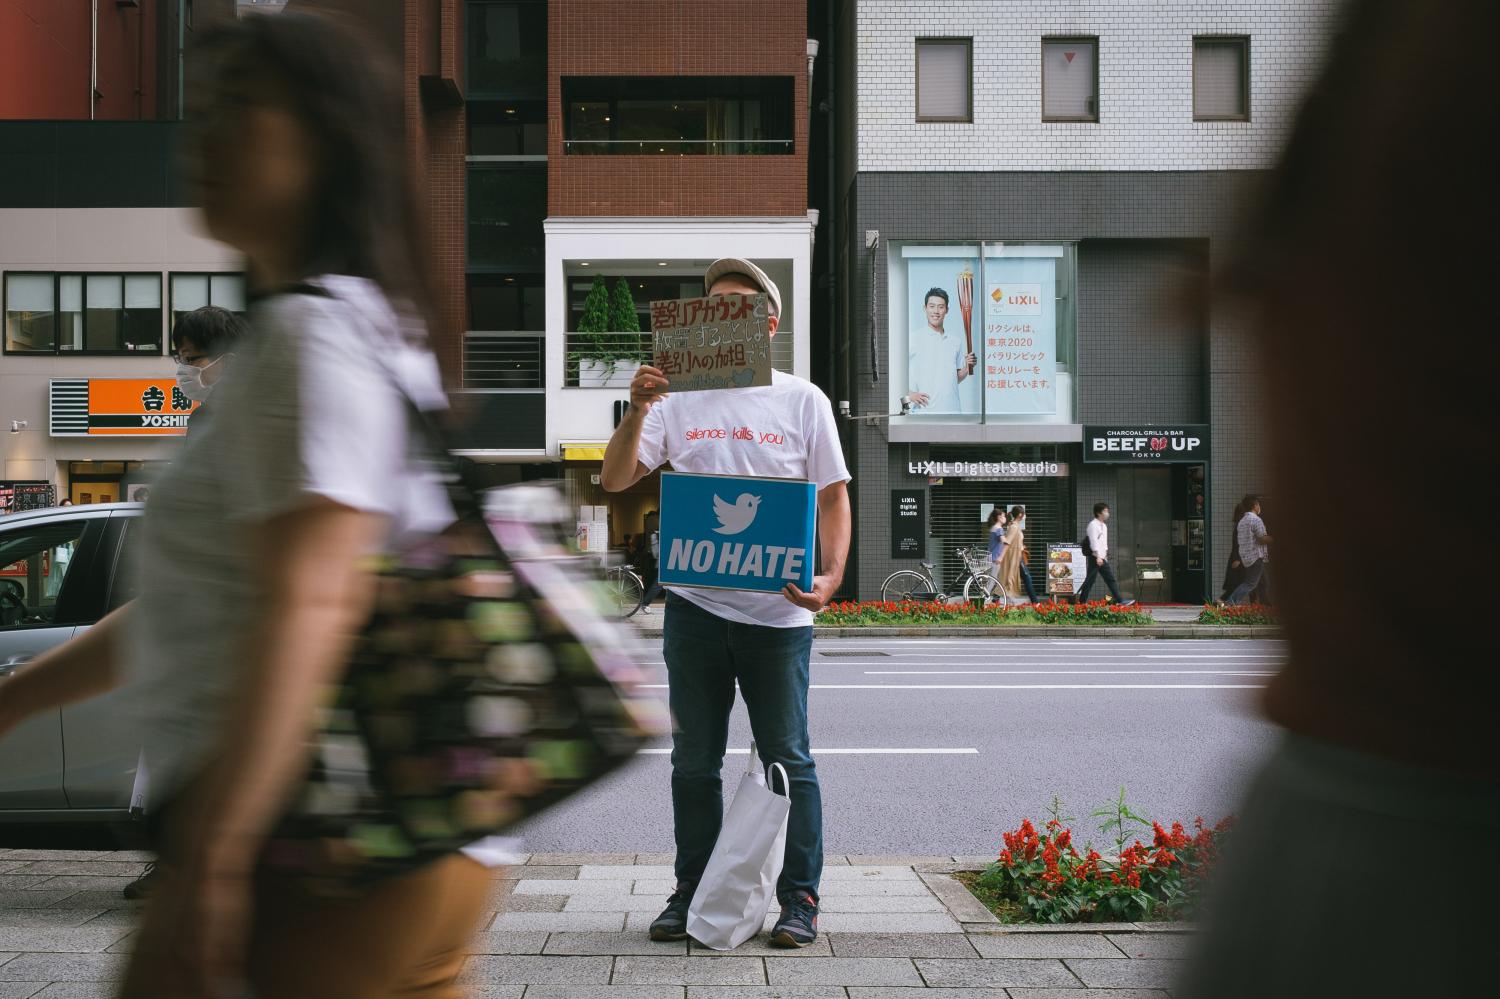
x: 603, y: 346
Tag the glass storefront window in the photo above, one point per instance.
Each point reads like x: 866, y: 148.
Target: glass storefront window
x: 983, y: 331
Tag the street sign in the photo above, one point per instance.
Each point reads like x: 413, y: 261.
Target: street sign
x: 737, y: 532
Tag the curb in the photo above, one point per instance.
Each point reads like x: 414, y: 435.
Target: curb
x: 1164, y: 631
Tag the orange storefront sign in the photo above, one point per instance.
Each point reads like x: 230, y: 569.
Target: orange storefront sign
x: 119, y: 407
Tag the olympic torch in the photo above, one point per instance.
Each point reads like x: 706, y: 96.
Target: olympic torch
x: 966, y: 308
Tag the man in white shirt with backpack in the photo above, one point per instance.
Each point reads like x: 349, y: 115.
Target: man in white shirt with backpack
x: 714, y: 640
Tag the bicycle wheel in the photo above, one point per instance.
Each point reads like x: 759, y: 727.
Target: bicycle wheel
x: 906, y: 584
x: 627, y: 590
x: 986, y: 586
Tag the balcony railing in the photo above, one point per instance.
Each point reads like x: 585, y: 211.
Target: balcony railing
x: 677, y: 147
x: 497, y: 361
x: 604, y: 360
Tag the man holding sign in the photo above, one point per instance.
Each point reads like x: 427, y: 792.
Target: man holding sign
x: 717, y: 637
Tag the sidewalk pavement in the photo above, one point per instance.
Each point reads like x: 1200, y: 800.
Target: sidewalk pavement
x: 573, y: 926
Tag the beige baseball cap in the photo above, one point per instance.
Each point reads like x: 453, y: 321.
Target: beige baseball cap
x: 738, y: 265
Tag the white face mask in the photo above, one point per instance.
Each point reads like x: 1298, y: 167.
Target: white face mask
x: 190, y: 380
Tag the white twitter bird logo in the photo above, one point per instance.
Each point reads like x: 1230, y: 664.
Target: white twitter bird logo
x: 734, y: 519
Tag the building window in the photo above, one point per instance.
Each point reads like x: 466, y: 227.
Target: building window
x: 507, y: 49
x: 1070, y: 79
x: 83, y: 313
x: 1221, y: 79
x: 678, y: 115
x: 945, y: 89
x: 507, y: 128
x: 194, y: 291
x: 507, y: 203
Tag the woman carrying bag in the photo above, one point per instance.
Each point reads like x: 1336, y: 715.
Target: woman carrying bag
x: 1009, y: 569
x: 996, y: 538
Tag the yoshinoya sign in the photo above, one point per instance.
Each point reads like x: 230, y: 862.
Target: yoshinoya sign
x: 118, y: 407
x: 1177, y: 442
x: 737, y: 532
x: 989, y: 469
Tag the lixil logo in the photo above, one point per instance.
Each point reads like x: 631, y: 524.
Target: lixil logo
x: 736, y: 518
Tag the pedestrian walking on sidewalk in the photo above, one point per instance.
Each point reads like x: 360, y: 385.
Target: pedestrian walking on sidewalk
x: 1254, y: 546
x: 1096, y: 551
x: 1234, y: 572
x: 259, y: 537
x: 714, y: 639
x: 1023, y: 571
x: 995, y: 539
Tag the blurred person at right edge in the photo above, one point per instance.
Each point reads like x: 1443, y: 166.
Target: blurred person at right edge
x: 259, y: 538
x: 1359, y: 865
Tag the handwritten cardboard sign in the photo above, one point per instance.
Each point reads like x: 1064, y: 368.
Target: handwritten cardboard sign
x: 713, y: 343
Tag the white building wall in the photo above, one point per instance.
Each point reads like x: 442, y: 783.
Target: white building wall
x: 90, y: 239
x: 1145, y: 84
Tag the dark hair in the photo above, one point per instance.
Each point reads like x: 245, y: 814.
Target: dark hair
x: 940, y: 293
x: 1249, y: 502
x: 1100, y: 508
x: 995, y: 515
x: 1239, y: 511
x: 212, y: 330
x: 364, y: 219
x: 1017, y: 512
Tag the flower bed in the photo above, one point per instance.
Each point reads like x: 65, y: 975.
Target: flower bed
x: 1041, y: 877
x: 919, y: 612
x: 1237, y: 614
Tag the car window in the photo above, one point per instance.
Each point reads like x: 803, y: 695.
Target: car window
x: 125, y: 584
x: 34, y: 563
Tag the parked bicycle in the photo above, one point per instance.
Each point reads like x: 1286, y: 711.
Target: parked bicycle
x: 976, y: 582
x: 626, y: 588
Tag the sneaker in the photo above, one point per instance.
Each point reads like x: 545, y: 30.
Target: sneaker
x: 143, y: 886
x: 798, y: 925
x: 672, y: 923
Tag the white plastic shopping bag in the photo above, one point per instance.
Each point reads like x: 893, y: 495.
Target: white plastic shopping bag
x: 739, y: 883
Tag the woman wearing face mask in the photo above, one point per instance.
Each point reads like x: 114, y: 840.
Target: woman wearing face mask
x: 259, y: 538
x: 203, y: 345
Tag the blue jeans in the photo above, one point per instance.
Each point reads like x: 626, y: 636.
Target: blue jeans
x: 705, y: 655
x: 1027, y: 583
x: 1256, y: 576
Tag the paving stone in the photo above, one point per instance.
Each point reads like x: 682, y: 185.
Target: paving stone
x: 615, y: 903
x: 535, y: 903
x: 760, y: 946
x: 604, y: 992
x: 126, y: 918
x: 7, y: 957
x: 884, y: 993
x: 887, y: 922
x: 560, y: 922
x: 525, y: 970
x: 834, y: 902
x: 39, y: 918
x: 958, y: 900
x: 501, y: 991
x: 1091, y: 993
x: 84, y: 882
x: 842, y: 971
x: 944, y: 973
x: 35, y: 855
x: 689, y: 971
x: 1181, y: 927
x: 551, y: 886
x: 892, y: 859
x: 98, y: 868
x: 551, y: 872
x: 901, y: 945
x: 20, y: 990
x: 33, y: 898
x: 1033, y: 945
x: 978, y: 861
x: 90, y: 899
x: 579, y: 859
x: 1049, y: 927
x: 938, y: 867
x: 835, y: 860
x: 766, y: 992
x: 134, y: 856
x: 1127, y: 973
x: 16, y: 882
x: 623, y: 872
x: 512, y: 942
x: 1152, y: 945
x: 124, y: 945
x: 78, y: 990
x: 59, y: 939
x: 863, y: 872
x: 63, y: 968
x: 613, y: 944
x: 656, y: 859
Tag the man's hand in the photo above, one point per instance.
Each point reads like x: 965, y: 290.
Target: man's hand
x: 1098, y: 561
x: 971, y: 359
x: 817, y: 598
x: 918, y: 398
x: 647, y: 388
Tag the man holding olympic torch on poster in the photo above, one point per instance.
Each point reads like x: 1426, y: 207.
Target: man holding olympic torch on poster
x: 936, y: 365
x: 714, y: 638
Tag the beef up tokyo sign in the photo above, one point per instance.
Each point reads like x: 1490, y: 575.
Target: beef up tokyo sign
x: 1187, y: 443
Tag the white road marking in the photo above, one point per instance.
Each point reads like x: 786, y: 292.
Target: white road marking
x: 849, y: 752
x: 1018, y: 686
x: 1064, y: 672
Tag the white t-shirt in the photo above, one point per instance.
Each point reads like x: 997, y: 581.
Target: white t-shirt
x: 1098, y: 533
x: 307, y: 408
x: 933, y: 362
x: 784, y: 430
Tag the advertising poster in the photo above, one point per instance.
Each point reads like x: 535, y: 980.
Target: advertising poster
x: 1066, y: 570
x: 713, y: 343
x: 942, y: 340
x: 1020, y: 335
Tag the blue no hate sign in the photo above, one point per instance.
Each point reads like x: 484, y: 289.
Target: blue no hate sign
x: 737, y: 532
